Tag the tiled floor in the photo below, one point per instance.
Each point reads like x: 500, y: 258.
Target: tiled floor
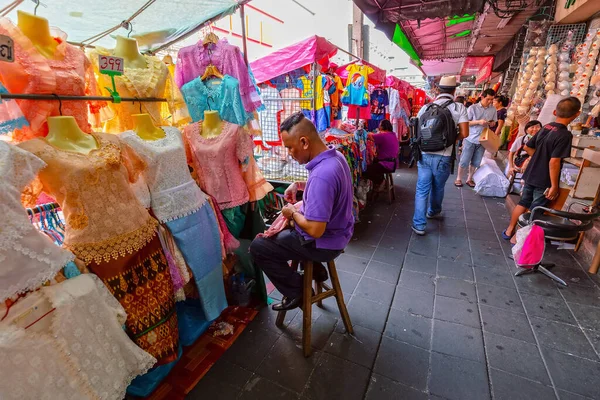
x: 436, y: 317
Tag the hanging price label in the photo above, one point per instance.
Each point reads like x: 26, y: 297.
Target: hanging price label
x: 110, y: 65
x: 6, y: 49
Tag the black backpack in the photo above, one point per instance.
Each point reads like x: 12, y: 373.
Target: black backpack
x: 436, y: 129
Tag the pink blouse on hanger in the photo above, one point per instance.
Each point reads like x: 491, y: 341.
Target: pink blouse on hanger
x: 68, y: 73
x: 193, y: 60
x: 217, y: 162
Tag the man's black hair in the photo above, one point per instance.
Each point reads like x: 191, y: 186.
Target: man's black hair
x: 488, y: 92
x: 460, y: 99
x: 291, y: 121
x: 567, y: 108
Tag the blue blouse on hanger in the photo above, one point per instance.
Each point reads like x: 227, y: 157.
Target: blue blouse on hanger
x: 222, y: 96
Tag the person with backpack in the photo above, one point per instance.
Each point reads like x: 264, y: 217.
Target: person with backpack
x: 438, y: 126
x: 547, y: 150
x: 481, y: 115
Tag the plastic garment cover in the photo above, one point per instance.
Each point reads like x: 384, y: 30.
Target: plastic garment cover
x: 489, y: 180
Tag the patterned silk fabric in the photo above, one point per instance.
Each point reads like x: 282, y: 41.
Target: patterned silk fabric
x: 104, y: 218
x: 78, y: 352
x: 153, y: 81
x: 27, y: 256
x: 217, y: 162
x: 68, y: 73
x: 174, y: 194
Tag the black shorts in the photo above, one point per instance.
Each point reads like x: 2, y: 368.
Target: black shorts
x: 533, y: 197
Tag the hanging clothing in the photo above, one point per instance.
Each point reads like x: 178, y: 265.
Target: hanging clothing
x: 178, y: 201
x: 379, y: 103
x: 113, y: 233
x: 268, y: 116
x: 356, y: 92
x: 152, y: 81
x: 27, y: 256
x: 257, y: 185
x: 193, y: 60
x: 69, y: 73
x: 290, y: 106
x: 83, y: 352
x: 217, y: 162
x: 320, y: 115
x: 222, y: 96
x: 11, y: 117
x: 305, y: 84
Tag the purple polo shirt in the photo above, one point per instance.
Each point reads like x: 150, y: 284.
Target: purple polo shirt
x: 328, y: 198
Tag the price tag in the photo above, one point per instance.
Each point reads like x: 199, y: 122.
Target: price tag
x: 7, y: 48
x: 110, y: 65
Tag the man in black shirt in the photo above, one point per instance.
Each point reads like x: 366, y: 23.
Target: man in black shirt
x: 546, y: 149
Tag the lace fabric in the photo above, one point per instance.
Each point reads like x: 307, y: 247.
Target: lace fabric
x: 27, y: 256
x: 103, y: 217
x: 83, y: 354
x: 193, y: 60
x: 11, y: 117
x: 225, y: 96
x: 153, y: 81
x: 69, y: 73
x: 174, y: 194
x: 217, y: 162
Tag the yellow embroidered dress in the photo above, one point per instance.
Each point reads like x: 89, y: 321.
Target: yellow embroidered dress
x: 153, y: 81
x: 109, y: 229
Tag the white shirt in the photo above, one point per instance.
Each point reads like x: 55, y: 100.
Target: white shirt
x: 459, y: 115
x: 477, y: 112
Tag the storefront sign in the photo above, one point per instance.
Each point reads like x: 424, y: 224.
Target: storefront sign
x: 110, y: 65
x: 6, y: 49
x: 570, y: 12
x: 485, y: 72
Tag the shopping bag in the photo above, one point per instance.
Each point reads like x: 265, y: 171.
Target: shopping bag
x: 530, y: 246
x: 489, y: 140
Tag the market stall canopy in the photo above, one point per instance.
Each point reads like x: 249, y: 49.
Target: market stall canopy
x: 451, y: 66
x: 375, y: 78
x: 397, y: 83
x: 160, y: 22
x: 298, y: 55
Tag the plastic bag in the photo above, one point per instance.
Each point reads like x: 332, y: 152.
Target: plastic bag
x: 530, y: 247
x: 489, y: 180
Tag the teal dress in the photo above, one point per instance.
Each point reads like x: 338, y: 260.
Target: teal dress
x: 222, y: 96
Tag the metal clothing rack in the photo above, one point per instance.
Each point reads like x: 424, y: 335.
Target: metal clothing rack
x: 43, y: 208
x: 57, y: 97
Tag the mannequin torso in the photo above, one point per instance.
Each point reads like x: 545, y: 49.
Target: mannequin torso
x: 128, y: 49
x: 65, y: 134
x: 145, y: 128
x: 212, y: 124
x: 38, y: 31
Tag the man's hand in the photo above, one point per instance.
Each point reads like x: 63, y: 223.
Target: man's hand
x: 483, y: 122
x: 552, y: 193
x: 288, y: 211
x: 290, y: 193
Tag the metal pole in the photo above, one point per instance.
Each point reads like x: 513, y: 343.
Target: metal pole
x: 314, y: 99
x: 77, y: 98
x: 244, y: 41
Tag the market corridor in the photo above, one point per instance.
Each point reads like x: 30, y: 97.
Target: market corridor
x: 435, y: 317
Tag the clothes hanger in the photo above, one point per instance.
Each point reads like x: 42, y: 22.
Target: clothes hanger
x: 211, y: 70
x: 211, y: 38
x: 59, y: 103
x: 208, y: 102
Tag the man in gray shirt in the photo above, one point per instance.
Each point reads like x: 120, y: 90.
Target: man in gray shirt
x: 480, y: 116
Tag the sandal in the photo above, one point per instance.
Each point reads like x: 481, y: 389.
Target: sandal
x: 458, y: 183
x: 505, y: 236
x: 471, y: 184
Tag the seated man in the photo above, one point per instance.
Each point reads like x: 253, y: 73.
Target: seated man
x: 546, y: 150
x: 324, y: 224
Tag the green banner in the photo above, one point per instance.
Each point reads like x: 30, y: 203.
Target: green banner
x: 402, y: 41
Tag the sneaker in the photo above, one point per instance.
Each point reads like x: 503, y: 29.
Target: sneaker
x: 434, y: 216
x: 420, y: 232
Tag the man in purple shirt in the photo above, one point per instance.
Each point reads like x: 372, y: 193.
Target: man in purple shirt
x: 323, y: 226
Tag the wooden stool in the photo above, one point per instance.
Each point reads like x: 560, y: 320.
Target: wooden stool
x: 322, y: 292
x: 389, y: 181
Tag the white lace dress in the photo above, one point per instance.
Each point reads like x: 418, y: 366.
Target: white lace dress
x: 173, y: 192
x: 28, y: 258
x: 83, y: 353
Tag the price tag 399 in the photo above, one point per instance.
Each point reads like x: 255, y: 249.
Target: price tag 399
x: 7, y: 49
x: 110, y: 65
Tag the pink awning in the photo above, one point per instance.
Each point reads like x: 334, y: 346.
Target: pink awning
x: 451, y: 66
x: 280, y: 62
x: 397, y: 83
x: 376, y: 78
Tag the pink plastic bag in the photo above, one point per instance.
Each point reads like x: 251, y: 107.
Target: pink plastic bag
x: 530, y: 246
